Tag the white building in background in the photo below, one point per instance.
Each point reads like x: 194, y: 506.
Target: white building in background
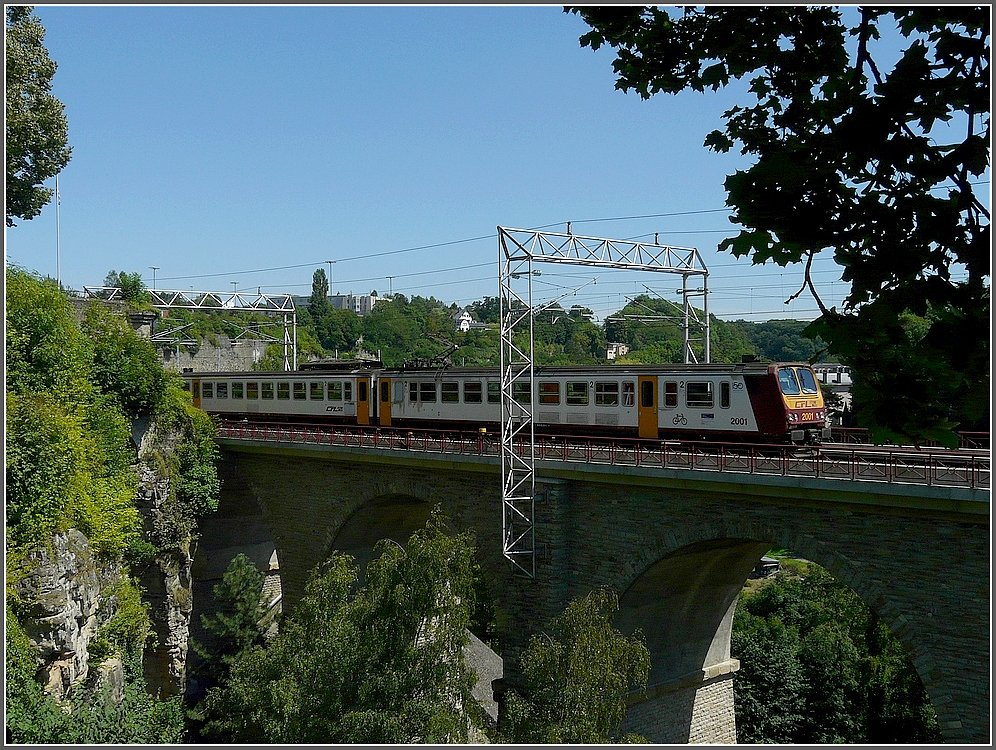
x: 361, y: 304
x: 616, y: 349
x: 835, y: 378
x: 838, y: 377
x: 463, y: 321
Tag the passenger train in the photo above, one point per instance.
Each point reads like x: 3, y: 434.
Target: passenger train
x: 754, y: 401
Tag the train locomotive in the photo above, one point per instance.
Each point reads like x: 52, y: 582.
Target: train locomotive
x: 769, y: 402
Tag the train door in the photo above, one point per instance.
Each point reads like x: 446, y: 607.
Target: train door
x: 647, y: 410
x: 195, y: 393
x: 363, y: 400
x: 385, y: 402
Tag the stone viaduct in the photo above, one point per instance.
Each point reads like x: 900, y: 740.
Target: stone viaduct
x: 677, y: 545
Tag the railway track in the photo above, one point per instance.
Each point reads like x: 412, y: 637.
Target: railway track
x: 967, y: 467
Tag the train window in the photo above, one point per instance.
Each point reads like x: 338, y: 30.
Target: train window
x: 317, y: 391
x: 807, y: 380
x: 549, y: 392
x: 724, y: 395
x: 221, y: 391
x: 629, y: 392
x: 252, y: 390
x: 363, y: 390
x: 450, y: 393
x: 283, y: 390
x: 787, y: 381
x: 520, y: 392
x: 335, y: 391
x: 670, y: 395
x: 347, y: 391
x: 699, y: 394
x: 385, y: 391
x: 647, y: 393
x: 413, y: 392
x: 427, y: 393
x: 300, y: 391
x: 472, y: 392
x: 606, y: 394
x: 577, y: 393
x: 494, y: 392
x: 237, y: 390
x: 266, y: 391
x: 209, y: 390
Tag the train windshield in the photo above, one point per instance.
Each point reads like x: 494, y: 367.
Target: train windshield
x: 787, y: 381
x: 808, y: 380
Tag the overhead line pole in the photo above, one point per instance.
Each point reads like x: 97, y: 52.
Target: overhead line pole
x: 518, y: 250
x: 282, y: 304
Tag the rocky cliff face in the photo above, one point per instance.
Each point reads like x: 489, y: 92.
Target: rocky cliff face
x: 169, y: 593
x: 167, y: 582
x: 68, y: 594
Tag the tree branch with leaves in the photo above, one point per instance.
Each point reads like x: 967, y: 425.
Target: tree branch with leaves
x: 868, y: 130
x: 37, y: 134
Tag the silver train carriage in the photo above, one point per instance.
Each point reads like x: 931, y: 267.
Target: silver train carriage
x: 767, y: 402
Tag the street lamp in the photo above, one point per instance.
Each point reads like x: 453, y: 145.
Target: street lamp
x: 154, y: 269
x: 331, y: 290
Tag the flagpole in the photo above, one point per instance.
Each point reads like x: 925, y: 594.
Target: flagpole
x: 58, y: 243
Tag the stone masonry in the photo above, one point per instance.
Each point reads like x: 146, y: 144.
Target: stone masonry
x: 676, y: 545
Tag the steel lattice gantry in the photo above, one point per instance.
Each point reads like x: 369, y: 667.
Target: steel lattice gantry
x: 278, y: 304
x: 518, y: 251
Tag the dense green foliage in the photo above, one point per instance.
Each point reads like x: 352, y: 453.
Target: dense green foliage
x: 90, y: 715
x: 858, y: 151
x: 125, y: 366
x: 422, y: 330
x: 817, y: 666
x: 377, y: 663
x: 133, y: 289
x: 236, y: 626
x: 652, y: 327
x: 68, y: 455
x: 577, y: 680
x: 37, y: 135
x: 73, y: 392
x: 783, y: 340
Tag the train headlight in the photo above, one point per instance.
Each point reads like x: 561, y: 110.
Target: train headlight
x: 793, y: 417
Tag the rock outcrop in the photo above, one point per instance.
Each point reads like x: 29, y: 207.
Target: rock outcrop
x: 67, y: 594
x: 166, y: 582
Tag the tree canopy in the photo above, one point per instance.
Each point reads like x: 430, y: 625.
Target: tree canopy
x: 577, y: 681
x: 377, y: 663
x: 858, y: 151
x: 817, y: 666
x: 37, y: 136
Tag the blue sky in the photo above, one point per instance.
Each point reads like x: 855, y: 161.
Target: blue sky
x: 215, y: 142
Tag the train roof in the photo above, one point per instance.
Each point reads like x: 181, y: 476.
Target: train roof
x: 752, y: 368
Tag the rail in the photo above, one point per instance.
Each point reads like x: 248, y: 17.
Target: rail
x: 860, y: 435
x: 894, y: 466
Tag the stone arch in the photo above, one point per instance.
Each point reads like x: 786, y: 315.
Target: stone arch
x: 391, y: 516
x: 684, y: 604
x: 874, y: 593
x: 241, y: 524
x: 677, y: 563
x: 396, y: 516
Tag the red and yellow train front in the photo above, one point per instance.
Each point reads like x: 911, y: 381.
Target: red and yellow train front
x: 805, y: 410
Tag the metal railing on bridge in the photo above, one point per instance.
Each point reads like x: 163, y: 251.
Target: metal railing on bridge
x: 946, y: 468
